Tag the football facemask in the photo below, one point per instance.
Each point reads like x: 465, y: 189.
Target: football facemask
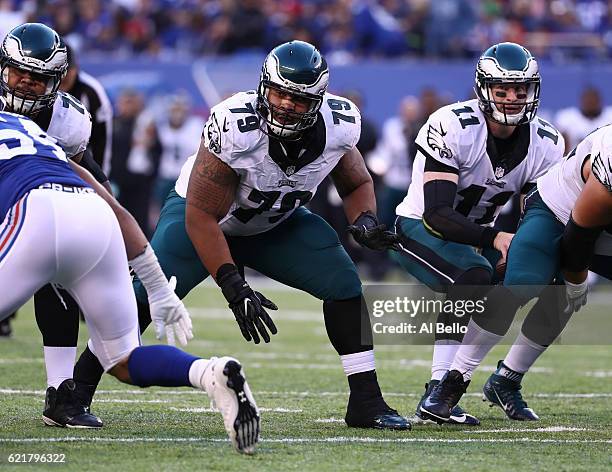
x: 296, y: 71
x: 35, y: 49
x: 508, y: 64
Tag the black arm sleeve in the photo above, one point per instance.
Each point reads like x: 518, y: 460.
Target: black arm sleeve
x: 442, y: 221
x: 87, y: 162
x: 577, y: 246
x: 98, y: 141
x: 433, y: 165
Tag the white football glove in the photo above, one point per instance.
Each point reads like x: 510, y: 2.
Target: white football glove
x: 576, y: 296
x: 170, y: 316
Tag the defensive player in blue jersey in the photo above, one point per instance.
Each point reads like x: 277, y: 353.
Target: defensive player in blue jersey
x: 56, y: 229
x: 33, y: 60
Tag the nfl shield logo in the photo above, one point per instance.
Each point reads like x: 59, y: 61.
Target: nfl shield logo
x: 499, y: 172
x: 290, y: 170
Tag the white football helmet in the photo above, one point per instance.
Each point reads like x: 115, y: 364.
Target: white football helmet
x: 507, y: 63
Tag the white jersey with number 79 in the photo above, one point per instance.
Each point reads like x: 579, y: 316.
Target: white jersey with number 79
x: 276, y: 177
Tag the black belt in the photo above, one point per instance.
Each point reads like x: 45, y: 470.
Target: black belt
x: 66, y: 188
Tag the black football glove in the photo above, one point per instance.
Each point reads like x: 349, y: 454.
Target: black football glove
x: 369, y: 233
x: 247, y: 305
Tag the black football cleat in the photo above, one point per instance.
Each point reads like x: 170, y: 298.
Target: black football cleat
x: 5, y: 328
x: 458, y: 414
x: 505, y: 392
x: 64, y: 409
x: 444, y: 397
x: 374, y: 413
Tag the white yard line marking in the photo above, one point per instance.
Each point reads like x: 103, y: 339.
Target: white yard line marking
x: 121, y: 400
x: 329, y: 420
x: 333, y: 440
x: 549, y: 429
x: 332, y: 363
x: 286, y: 315
x: 213, y: 410
x: 289, y: 394
x: 22, y: 360
x: 600, y: 374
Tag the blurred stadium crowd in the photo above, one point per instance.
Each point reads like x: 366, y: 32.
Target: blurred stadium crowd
x: 152, y: 136
x: 342, y: 29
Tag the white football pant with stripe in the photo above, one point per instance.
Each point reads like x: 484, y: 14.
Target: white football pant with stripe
x: 71, y: 240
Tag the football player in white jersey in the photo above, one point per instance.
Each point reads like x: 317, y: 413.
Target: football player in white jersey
x: 33, y: 61
x: 240, y: 203
x: 575, y: 123
x: 472, y: 158
x: 178, y: 132
x: 566, y: 230
x: 57, y: 229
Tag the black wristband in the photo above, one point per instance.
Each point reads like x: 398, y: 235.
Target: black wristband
x: 225, y: 269
x: 367, y: 219
x: 232, y: 283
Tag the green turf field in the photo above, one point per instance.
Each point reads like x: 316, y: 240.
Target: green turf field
x: 300, y: 387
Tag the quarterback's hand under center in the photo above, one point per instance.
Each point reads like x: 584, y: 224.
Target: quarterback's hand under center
x: 502, y: 243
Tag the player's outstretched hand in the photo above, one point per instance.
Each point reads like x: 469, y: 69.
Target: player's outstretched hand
x: 369, y: 233
x: 170, y: 317
x: 576, y: 296
x: 248, y: 306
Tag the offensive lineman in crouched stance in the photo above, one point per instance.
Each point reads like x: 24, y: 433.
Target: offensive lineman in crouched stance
x: 57, y: 230
x: 239, y: 203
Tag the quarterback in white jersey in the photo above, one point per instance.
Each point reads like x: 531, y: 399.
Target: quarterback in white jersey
x: 472, y: 157
x: 456, y: 136
x: 565, y: 231
x: 240, y: 202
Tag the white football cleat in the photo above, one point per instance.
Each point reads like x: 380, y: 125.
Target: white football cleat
x: 226, y: 386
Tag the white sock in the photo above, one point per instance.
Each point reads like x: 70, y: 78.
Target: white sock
x: 358, y: 362
x: 443, y: 355
x: 196, y: 372
x: 523, y: 354
x: 476, y: 344
x: 59, y: 363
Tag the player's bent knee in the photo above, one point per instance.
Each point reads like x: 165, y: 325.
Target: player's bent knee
x: 342, y: 285
x: 525, y: 286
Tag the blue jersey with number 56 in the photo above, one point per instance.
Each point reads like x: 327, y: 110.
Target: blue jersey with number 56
x: 28, y: 159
